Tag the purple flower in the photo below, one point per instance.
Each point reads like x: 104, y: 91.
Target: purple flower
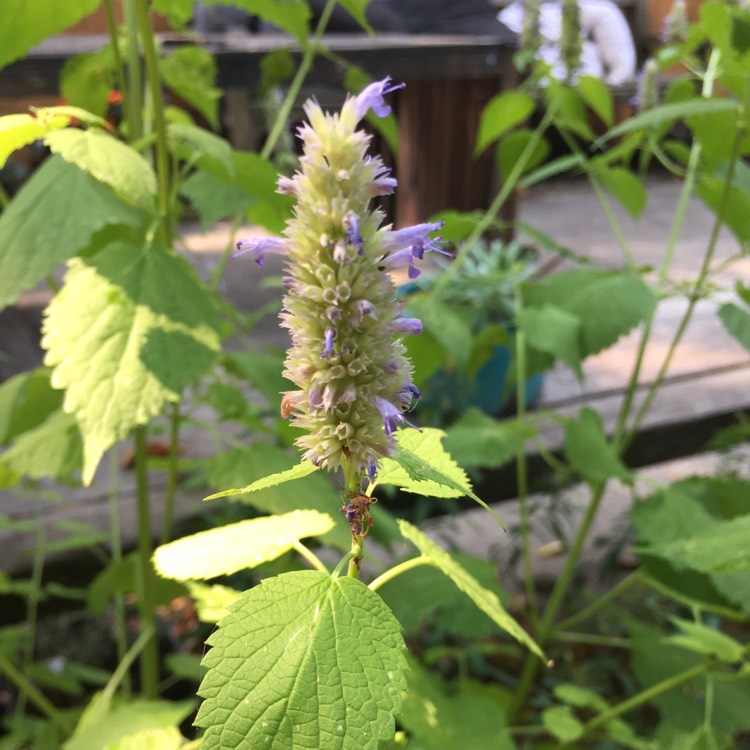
x: 259, y: 246
x: 408, y: 325
x: 286, y: 186
x: 328, y: 342
x: 410, y: 244
x: 392, y: 416
x: 372, y: 98
x: 353, y: 237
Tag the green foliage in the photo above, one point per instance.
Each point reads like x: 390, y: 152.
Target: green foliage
x: 303, y: 661
x: 28, y: 22
x: 588, y: 451
x: 504, y: 112
x: 70, y: 200
x: 130, y: 329
x: 237, y: 546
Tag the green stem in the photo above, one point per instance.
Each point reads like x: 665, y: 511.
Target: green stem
x: 708, y: 710
x: 133, y: 98
x: 109, y: 14
x: 647, y: 695
x: 172, y: 466
x: 521, y: 464
x: 614, y: 225
x: 115, y: 543
x: 397, y: 570
x: 506, y: 189
x: 308, y: 55
x: 160, y: 123
x: 27, y: 688
x: 355, y: 561
x: 145, y: 579
x: 591, y: 639
x: 121, y: 671
x: 310, y: 556
x: 602, y: 601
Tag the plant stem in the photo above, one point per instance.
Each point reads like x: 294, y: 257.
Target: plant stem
x: 121, y: 671
x: 134, y: 97
x: 521, y: 465
x: 602, y: 601
x: 355, y: 561
x: 397, y: 570
x: 172, y: 465
x: 218, y: 272
x: 592, y: 639
x: 109, y: 14
x: 160, y: 124
x: 646, y: 695
x: 144, y: 576
x: 310, y: 556
x: 27, y: 688
x: 308, y: 54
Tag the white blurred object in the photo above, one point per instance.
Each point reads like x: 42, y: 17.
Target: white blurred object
x: 608, y: 47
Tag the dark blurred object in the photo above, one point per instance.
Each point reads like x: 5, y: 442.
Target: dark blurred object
x: 210, y: 19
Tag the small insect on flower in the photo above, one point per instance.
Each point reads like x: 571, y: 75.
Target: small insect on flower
x: 357, y: 512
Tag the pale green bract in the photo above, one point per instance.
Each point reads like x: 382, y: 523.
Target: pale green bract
x: 303, y: 662
x: 228, y: 549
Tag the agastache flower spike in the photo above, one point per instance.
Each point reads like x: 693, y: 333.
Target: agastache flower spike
x: 346, y: 358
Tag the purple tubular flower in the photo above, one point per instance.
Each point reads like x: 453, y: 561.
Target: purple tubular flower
x: 328, y: 347
x: 412, y: 243
x: 353, y: 237
x: 260, y: 246
x: 392, y: 416
x: 372, y: 98
x: 408, y: 325
x: 286, y: 186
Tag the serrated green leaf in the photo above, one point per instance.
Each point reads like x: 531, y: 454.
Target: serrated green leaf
x: 190, y: 72
x: 553, y: 331
x: 477, y: 439
x: 52, y: 450
x: 625, y: 187
x: 17, y: 131
x: 608, y: 303
x: 588, y: 451
x: 130, y: 329
x: 72, y: 202
x: 212, y: 602
x: 302, y: 662
x: 502, y: 113
x: 598, y: 97
x: 299, y: 471
x: 127, y: 720
x: 213, y: 198
x: 26, y: 400
x: 486, y: 600
x: 198, y: 146
x: 560, y: 722
x: 28, y: 22
x: 736, y: 320
x: 238, y: 546
x: 702, y: 639
x: 109, y: 161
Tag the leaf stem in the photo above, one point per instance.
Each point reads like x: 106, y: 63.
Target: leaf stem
x: 35, y: 695
x: 160, y: 125
x: 592, y: 639
x: 303, y: 69
x: 134, y: 97
x: 397, y: 570
x: 310, y: 556
x: 175, y: 420
x: 602, y: 601
x: 144, y: 577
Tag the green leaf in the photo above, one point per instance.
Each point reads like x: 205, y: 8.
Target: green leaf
x: 560, y: 722
x: 737, y: 322
x: 553, y: 331
x: 512, y: 147
x: 447, y: 327
x: 158, y: 738
x: 625, y: 187
x: 199, y: 147
x: 28, y: 22
x: 463, y: 714
x: 299, y: 471
x: 109, y: 161
x: 17, y: 131
x: 213, y: 198
x: 580, y: 697
x: 736, y: 207
x: 598, y: 97
x: 607, y: 303
x: 702, y: 639
x: 72, y: 202
x: 127, y: 720
x: 357, y: 9
x: 26, y: 400
x: 129, y: 330
x: 486, y: 600
x: 290, y: 15
x: 262, y: 369
x: 502, y: 113
x: 588, y: 451
x: 179, y: 12
x: 238, y: 546
x: 669, y: 113
x: 571, y: 113
x: 87, y: 79
x: 52, y: 450
x: 212, y: 602
x: 477, y: 439
x: 190, y: 72
x: 302, y: 662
